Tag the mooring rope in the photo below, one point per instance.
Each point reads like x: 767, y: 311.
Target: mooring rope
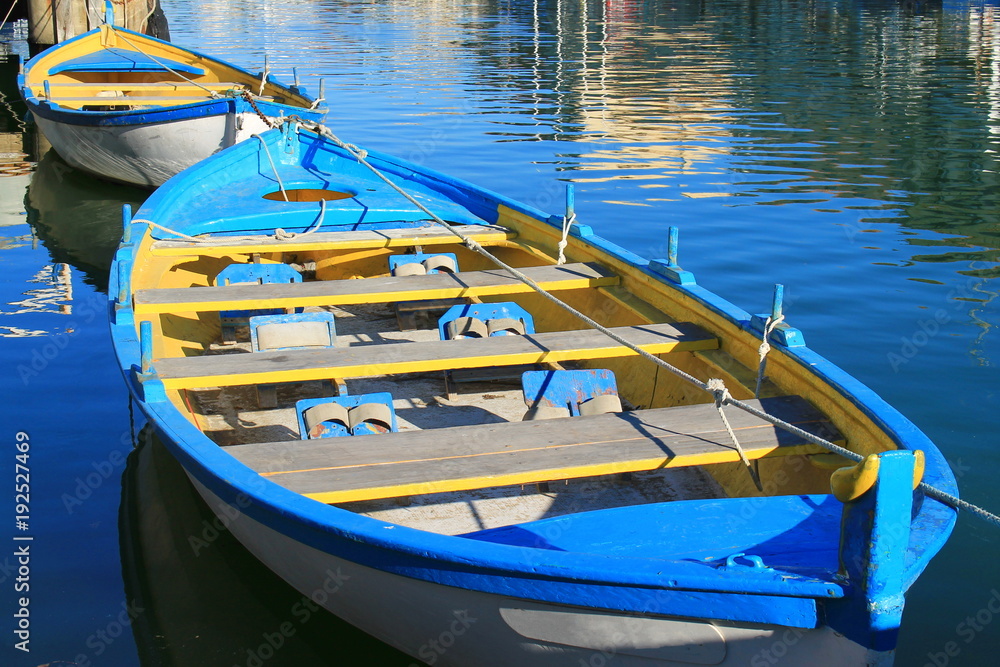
x: 277, y: 177
x: 567, y: 224
x: 279, y: 233
x: 9, y: 12
x: 712, y: 386
x: 721, y: 394
x: 765, y: 347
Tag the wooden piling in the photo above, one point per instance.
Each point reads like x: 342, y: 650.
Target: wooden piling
x: 54, y: 21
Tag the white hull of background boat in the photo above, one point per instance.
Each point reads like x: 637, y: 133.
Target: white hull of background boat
x: 135, y: 109
x: 147, y: 155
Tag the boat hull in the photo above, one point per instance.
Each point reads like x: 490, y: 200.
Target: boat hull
x: 450, y: 626
x: 735, y: 579
x: 150, y: 153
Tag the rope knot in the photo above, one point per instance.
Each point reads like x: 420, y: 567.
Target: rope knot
x: 765, y: 347
x: 568, y: 222
x: 281, y: 235
x: 718, y: 389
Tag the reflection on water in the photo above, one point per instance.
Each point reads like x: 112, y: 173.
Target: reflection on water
x: 849, y: 148
x: 78, y: 217
x: 205, y: 600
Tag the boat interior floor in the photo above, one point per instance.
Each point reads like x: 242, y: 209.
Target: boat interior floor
x: 232, y: 415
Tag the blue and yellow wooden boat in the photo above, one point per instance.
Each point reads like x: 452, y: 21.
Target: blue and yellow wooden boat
x: 135, y: 109
x: 432, y: 449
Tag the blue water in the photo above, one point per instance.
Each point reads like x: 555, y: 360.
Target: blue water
x: 848, y: 150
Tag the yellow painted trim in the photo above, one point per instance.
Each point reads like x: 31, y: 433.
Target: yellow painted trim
x: 429, y: 365
x: 373, y: 297
x: 851, y: 483
x: 534, y: 476
x: 919, y: 465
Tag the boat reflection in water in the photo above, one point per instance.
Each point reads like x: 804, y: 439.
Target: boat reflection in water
x: 78, y: 216
x: 207, y: 601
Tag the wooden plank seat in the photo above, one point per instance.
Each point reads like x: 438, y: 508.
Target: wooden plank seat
x: 187, y: 98
x: 383, y: 289
x: 472, y: 457
x: 403, y: 237
x: 146, y: 86
x: 387, y: 359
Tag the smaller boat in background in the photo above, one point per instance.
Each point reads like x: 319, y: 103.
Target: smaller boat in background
x: 135, y: 109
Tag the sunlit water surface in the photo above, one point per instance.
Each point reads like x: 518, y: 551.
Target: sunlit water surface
x: 847, y: 150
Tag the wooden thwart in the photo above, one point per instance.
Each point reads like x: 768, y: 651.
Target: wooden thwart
x: 338, y: 470
x: 153, y: 85
x: 403, y: 237
x: 384, y: 289
x: 387, y: 359
x: 166, y: 100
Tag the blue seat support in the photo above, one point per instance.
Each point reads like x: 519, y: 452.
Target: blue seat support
x: 366, y: 414
x: 296, y: 331
x: 482, y: 320
x: 574, y: 392
x: 243, y: 274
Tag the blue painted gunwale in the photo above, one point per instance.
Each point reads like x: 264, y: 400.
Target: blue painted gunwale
x: 216, y: 107
x: 677, y: 588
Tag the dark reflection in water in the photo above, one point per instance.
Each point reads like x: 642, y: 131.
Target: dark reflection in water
x: 205, y: 600
x: 846, y: 147
x: 78, y: 217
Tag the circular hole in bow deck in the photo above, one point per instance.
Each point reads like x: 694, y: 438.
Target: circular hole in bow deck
x: 308, y: 194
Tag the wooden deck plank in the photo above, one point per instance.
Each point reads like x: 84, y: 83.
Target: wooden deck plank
x: 151, y: 85
x: 171, y: 100
x: 386, y: 359
x: 459, y: 458
x: 351, y: 240
x: 384, y: 289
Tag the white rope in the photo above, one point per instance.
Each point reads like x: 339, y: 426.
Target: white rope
x: 721, y: 394
x: 282, y: 235
x: 279, y: 234
x: 210, y: 92
x: 715, y: 386
x: 263, y: 78
x: 765, y: 347
x: 192, y: 239
x: 273, y: 168
x: 9, y: 12
x: 568, y: 221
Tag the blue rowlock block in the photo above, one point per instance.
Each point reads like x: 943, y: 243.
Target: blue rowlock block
x: 366, y: 414
x: 493, y: 316
x: 567, y: 389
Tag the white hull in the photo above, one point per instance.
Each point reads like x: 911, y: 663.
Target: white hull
x: 448, y: 626
x: 147, y: 155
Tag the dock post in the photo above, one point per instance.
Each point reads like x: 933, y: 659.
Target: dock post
x: 54, y: 21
